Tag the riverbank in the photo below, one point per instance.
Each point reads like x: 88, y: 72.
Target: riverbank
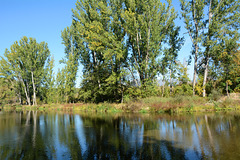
x: 146, y: 105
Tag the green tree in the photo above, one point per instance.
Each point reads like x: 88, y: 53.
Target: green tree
x: 169, y: 61
x: 7, y: 92
x: 8, y: 78
x: 183, y: 88
x: 49, y: 81
x: 235, y: 72
x: 99, y: 35
x: 72, y: 55
x: 221, y: 32
x: 60, y: 83
x: 147, y: 24
x: 193, y: 15
x: 71, y: 73
x: 229, y: 65
x: 26, y: 64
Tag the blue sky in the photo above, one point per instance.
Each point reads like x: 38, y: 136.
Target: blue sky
x: 45, y: 19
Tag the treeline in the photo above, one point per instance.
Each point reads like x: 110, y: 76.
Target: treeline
x: 124, y: 46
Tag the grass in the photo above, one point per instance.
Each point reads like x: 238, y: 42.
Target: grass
x: 176, y: 104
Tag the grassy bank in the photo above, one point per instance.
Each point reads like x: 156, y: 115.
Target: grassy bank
x: 146, y: 105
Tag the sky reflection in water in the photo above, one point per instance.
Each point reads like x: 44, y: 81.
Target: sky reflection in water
x: 38, y: 135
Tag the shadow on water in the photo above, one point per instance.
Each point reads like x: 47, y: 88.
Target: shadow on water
x: 39, y: 135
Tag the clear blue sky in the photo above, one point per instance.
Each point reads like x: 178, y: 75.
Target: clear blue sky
x: 44, y: 20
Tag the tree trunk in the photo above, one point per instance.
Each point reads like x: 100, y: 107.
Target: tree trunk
x: 195, y: 70
x: 19, y: 97
x: 122, y: 95
x: 26, y: 93
x: 34, y: 91
x: 227, y: 89
x: 207, y: 49
x: 96, y: 68
x: 205, y: 77
x: 170, y: 82
x: 146, y: 60
x: 163, y: 89
x: 196, y: 46
x: 134, y: 79
x: 99, y: 83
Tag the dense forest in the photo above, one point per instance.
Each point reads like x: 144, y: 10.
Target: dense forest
x: 124, y: 47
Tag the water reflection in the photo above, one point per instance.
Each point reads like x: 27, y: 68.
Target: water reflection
x: 38, y: 135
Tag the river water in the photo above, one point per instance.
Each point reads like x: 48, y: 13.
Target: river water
x: 59, y: 135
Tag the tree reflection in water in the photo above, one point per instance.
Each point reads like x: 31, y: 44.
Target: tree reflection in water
x: 38, y: 135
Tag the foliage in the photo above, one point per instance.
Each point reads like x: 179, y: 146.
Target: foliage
x: 25, y: 63
x: 199, y: 86
x: 7, y: 93
x: 184, y: 89
x: 99, y: 36
x: 215, y: 95
x: 193, y: 15
x: 49, y: 82
x: 147, y: 24
x: 71, y: 68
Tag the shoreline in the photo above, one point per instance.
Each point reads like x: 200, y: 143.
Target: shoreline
x: 149, y: 105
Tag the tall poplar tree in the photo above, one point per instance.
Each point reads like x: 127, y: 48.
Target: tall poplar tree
x: 193, y: 15
x: 60, y: 83
x: 72, y: 56
x: 147, y: 24
x: 170, y: 54
x: 100, y: 37
x: 49, y: 82
x: 26, y: 63
x: 221, y: 32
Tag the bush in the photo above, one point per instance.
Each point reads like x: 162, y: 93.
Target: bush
x: 215, y: 95
x: 178, y: 99
x: 237, y: 89
x: 184, y: 90
x: 228, y: 102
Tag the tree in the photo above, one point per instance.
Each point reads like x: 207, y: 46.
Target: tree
x: 193, y: 15
x: 183, y: 87
x: 100, y: 38
x: 70, y: 76
x: 60, y: 83
x: 114, y: 37
x: 147, y: 24
x: 229, y: 64
x: 169, y: 61
x: 7, y: 92
x: 49, y: 81
x: 222, y: 30
x: 8, y: 79
x: 235, y: 72
x: 25, y: 63
x: 210, y: 32
x: 72, y: 55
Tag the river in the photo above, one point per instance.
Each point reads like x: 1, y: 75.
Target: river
x: 62, y: 135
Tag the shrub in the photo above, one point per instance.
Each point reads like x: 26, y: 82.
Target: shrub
x: 215, y: 95
x: 184, y: 89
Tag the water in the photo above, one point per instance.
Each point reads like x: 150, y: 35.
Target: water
x: 39, y: 135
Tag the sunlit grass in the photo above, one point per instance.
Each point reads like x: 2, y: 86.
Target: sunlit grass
x: 175, y: 104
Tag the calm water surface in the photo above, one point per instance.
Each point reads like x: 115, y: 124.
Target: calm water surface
x: 39, y: 135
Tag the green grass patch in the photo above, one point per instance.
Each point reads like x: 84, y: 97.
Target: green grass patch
x: 177, y: 104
